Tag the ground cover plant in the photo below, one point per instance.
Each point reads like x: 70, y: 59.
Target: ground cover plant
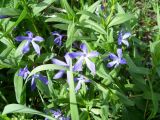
x: 79, y: 59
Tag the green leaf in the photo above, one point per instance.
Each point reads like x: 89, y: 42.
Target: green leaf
x: 91, y: 15
x: 9, y: 11
x: 21, y: 17
x: 41, y: 6
x: 18, y: 86
x: 44, y: 57
x: 72, y: 98
x: 46, y: 67
x: 155, y: 53
x: 120, y: 18
x: 134, y: 69
x: 94, y: 26
x: 42, y: 87
x: 70, y: 34
x: 17, y: 108
x: 123, y: 98
x: 67, y: 8
x: 91, y: 9
x: 57, y: 18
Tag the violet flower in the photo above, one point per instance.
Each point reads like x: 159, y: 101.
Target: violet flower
x: 4, y: 16
x: 84, y: 56
x: 58, y: 115
x: 61, y: 63
x: 58, y: 39
x: 24, y: 72
x: 122, y: 38
x: 81, y: 80
x: 30, y: 39
x: 40, y: 77
x: 117, y: 60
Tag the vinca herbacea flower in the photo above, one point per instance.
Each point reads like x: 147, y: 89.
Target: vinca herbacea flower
x: 40, y: 77
x: 122, y: 38
x: 61, y: 63
x: 117, y: 60
x: 30, y: 39
x: 58, y: 39
x: 84, y: 56
x: 81, y: 80
x: 24, y: 72
x: 4, y: 16
x: 58, y: 115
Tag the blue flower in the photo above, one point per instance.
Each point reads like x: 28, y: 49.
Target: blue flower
x: 30, y: 39
x: 24, y: 72
x: 40, y: 77
x: 123, y: 38
x: 84, y: 56
x: 4, y: 16
x: 58, y: 39
x: 61, y: 63
x: 117, y: 60
x: 102, y: 7
x: 58, y: 115
x: 81, y: 80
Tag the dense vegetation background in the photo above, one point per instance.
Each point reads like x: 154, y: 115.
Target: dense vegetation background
x: 116, y: 44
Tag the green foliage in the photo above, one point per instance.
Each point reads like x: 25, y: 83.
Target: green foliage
x: 127, y: 92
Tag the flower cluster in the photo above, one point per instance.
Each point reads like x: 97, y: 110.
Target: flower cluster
x: 117, y: 60
x: 83, y: 56
x: 24, y: 72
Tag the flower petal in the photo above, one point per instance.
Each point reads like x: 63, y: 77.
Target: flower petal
x: 59, y: 74
x: 119, y: 53
x: 26, y: 47
x: 33, y: 84
x: 76, y: 54
x: 21, y: 38
x: 126, y: 35
x: 30, y: 34
x: 36, y: 47
x: 78, y: 86
x: 38, y: 39
x: 67, y: 58
x: 78, y: 65
x: 113, y: 56
x: 125, y: 42
x: 55, y: 33
x: 120, y: 38
x: 93, y: 54
x: 58, y: 62
x: 43, y: 79
x: 58, y: 41
x: 123, y: 61
x: 111, y: 64
x: 90, y: 65
x: 84, y: 48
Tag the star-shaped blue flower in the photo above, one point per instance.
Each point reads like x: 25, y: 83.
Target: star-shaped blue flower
x: 81, y: 80
x: 117, y: 60
x: 30, y: 39
x: 58, y: 39
x: 122, y: 38
x: 84, y: 56
x: 24, y: 72
x: 61, y: 63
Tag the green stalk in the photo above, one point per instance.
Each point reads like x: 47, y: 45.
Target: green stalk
x: 30, y: 16
x: 72, y: 98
